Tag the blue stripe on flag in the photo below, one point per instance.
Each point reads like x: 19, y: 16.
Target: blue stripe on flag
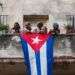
x: 37, y: 55
x: 50, y: 42
x: 26, y: 55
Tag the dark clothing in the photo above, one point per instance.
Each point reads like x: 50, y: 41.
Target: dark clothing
x: 16, y: 28
x: 55, y: 32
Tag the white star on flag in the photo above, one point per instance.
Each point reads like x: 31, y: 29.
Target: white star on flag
x: 36, y: 40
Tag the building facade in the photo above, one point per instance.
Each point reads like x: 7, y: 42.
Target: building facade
x: 11, y: 55
x: 56, y: 9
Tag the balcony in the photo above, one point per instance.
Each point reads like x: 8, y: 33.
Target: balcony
x: 12, y: 62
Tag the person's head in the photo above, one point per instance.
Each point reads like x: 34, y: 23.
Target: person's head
x: 56, y: 26
x: 16, y: 24
x: 16, y: 27
x: 40, y: 25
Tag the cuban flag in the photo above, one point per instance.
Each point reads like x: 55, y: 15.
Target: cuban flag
x: 38, y: 53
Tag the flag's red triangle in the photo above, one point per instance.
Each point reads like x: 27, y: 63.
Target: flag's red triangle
x: 35, y: 40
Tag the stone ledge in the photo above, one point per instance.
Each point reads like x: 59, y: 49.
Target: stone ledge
x: 56, y: 59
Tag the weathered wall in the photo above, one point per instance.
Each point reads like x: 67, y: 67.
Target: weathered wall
x: 56, y: 9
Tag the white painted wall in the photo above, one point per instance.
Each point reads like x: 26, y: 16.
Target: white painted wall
x: 56, y: 9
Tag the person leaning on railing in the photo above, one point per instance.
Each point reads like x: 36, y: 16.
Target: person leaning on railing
x: 56, y: 30
x: 27, y: 28
x: 41, y: 28
x: 16, y: 27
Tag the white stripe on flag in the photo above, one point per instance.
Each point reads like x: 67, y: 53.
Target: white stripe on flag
x: 43, y: 59
x: 32, y: 60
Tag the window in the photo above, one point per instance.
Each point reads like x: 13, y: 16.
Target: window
x: 4, y: 19
x: 71, y: 20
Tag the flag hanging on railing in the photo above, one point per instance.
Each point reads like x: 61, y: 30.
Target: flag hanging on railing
x: 38, y: 53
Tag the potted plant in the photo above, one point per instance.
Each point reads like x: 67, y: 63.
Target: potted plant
x: 3, y: 28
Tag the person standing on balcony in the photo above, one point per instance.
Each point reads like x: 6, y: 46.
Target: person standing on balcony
x: 41, y: 28
x: 56, y: 29
x: 16, y: 27
x: 27, y: 28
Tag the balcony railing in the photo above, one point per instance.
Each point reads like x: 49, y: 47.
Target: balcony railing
x: 64, y: 44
